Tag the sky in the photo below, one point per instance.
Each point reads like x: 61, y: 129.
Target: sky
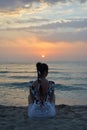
x: 34, y: 30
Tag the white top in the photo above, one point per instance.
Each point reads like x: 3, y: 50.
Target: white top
x: 36, y: 110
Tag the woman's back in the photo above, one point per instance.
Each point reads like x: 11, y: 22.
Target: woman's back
x: 42, y: 106
x: 44, y: 88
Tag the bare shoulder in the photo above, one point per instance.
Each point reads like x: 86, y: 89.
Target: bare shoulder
x: 35, y: 83
x: 45, y: 83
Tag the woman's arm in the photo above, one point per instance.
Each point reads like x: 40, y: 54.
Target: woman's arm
x: 52, y: 97
x: 30, y: 98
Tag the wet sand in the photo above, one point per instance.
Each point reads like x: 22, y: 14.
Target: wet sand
x: 67, y: 118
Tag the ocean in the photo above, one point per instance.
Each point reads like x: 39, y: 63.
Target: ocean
x: 70, y: 82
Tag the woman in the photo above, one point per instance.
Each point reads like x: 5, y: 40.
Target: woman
x: 41, y: 99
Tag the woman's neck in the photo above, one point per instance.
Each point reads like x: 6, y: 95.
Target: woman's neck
x: 42, y: 77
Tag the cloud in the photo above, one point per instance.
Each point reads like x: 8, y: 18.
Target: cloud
x: 9, y: 4
x: 67, y: 23
x: 65, y: 1
x: 4, y: 3
x: 20, y: 7
x: 71, y: 37
x: 82, y: 1
x: 70, y: 30
x: 38, y: 23
x: 17, y: 6
x: 64, y: 23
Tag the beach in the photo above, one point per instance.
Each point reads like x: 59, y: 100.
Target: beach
x: 67, y: 118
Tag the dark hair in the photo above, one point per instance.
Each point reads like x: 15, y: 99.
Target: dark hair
x: 41, y: 68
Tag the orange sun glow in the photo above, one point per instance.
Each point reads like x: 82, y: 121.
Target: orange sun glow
x: 43, y: 56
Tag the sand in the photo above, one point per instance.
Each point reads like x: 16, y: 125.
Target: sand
x: 67, y: 118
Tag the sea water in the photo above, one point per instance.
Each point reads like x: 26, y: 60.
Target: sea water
x: 70, y: 82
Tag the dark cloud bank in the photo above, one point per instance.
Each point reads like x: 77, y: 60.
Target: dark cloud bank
x: 12, y: 3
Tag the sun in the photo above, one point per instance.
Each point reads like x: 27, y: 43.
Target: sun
x: 43, y: 56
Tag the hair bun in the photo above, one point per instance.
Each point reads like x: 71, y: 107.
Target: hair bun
x: 38, y: 65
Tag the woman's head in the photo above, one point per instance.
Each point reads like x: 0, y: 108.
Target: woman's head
x: 42, y: 69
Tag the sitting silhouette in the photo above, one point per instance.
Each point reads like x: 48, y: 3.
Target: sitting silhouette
x: 41, y: 98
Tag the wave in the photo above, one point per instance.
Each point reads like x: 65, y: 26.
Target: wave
x: 73, y: 78
x: 59, y: 87
x: 57, y: 72
x: 15, y: 84
x: 22, y: 77
x: 4, y: 71
x: 20, y: 85
x: 17, y: 72
x: 65, y: 78
x: 82, y: 84
x: 62, y: 87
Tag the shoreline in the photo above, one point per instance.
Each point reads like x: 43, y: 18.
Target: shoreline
x: 67, y: 118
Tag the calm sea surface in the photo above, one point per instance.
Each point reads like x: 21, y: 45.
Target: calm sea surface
x: 70, y: 82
